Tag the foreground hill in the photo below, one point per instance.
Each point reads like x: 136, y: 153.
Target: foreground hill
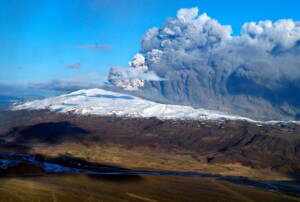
x: 130, y: 188
x: 231, y: 147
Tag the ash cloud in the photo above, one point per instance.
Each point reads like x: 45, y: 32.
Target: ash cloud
x: 268, y: 50
x: 202, y: 63
x: 133, y: 77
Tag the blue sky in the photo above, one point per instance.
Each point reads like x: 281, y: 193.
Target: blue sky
x: 40, y: 38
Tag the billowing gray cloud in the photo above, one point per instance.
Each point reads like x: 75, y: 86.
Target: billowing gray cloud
x: 133, y: 77
x: 202, y: 63
x: 131, y: 73
x: 192, y: 41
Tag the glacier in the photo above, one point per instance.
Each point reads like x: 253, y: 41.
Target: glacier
x: 107, y: 103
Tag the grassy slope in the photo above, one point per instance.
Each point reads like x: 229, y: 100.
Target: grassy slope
x: 109, y: 188
x: 236, y: 148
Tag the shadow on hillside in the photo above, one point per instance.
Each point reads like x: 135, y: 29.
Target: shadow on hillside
x: 17, y: 141
x: 49, y: 133
x: 117, y: 178
x: 13, y: 147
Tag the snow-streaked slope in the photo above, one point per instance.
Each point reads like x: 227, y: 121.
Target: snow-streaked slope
x: 103, y: 102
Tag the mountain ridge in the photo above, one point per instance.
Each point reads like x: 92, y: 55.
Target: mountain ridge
x: 103, y: 102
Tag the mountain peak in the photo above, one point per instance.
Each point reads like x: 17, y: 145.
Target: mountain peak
x: 107, y: 103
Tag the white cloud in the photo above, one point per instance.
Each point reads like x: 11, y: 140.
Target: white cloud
x: 76, y: 65
x: 64, y: 85
x: 95, y: 47
x: 133, y: 77
x: 81, y: 81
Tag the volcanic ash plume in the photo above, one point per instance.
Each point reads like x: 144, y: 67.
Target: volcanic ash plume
x: 133, y: 77
x: 197, y: 60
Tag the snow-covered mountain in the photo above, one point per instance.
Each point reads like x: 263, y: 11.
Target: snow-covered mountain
x: 105, y: 103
